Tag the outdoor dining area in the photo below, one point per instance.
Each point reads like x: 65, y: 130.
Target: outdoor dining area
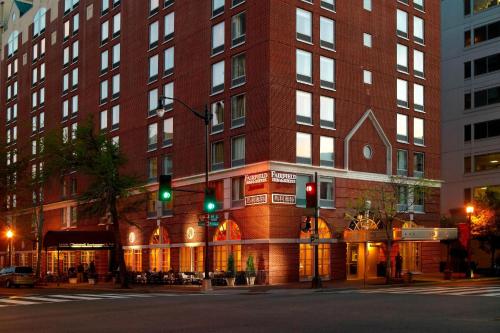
x: 183, y: 278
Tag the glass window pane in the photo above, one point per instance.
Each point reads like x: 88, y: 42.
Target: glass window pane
x: 304, y: 107
x: 303, y: 148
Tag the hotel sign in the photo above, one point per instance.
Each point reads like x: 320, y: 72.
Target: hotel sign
x: 256, y: 200
x: 286, y: 199
x: 256, y: 178
x: 283, y: 177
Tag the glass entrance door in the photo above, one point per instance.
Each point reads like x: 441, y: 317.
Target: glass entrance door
x: 352, y: 260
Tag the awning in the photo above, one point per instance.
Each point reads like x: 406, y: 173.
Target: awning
x: 79, y: 240
x: 401, y: 234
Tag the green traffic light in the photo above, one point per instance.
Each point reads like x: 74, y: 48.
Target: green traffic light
x: 210, y: 206
x: 166, y: 195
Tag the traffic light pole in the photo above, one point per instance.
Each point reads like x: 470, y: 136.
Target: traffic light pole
x: 316, y: 281
x: 207, y: 282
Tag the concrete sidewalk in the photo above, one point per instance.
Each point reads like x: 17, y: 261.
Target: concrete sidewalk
x: 421, y: 279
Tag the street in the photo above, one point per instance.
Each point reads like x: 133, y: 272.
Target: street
x: 459, y: 308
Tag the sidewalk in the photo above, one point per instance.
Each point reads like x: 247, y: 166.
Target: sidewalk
x: 421, y: 279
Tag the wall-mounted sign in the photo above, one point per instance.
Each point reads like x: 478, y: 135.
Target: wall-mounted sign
x: 286, y: 199
x: 190, y: 233
x: 256, y: 200
x: 256, y: 178
x: 283, y: 177
x: 131, y: 237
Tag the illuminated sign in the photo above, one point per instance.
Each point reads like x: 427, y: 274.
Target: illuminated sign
x: 283, y: 177
x: 256, y: 178
x: 286, y: 199
x: 86, y: 245
x: 256, y: 200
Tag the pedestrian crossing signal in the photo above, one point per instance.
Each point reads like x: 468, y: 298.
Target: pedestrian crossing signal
x: 165, y: 188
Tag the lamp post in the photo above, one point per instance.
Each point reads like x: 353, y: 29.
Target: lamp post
x: 207, y: 118
x: 10, y: 235
x: 469, y: 210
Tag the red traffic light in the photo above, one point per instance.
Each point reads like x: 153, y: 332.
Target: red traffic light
x: 311, y: 195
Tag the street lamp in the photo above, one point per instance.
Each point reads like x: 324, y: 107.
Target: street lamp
x: 207, y: 118
x: 10, y: 235
x: 469, y: 210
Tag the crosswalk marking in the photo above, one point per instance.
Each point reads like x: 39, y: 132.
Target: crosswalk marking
x: 76, y: 298
x: 110, y: 296
x: 43, y: 299
x: 16, y: 302
x: 491, y: 291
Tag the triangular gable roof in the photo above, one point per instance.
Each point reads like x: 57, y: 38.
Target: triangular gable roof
x: 369, y: 115
x: 23, y: 6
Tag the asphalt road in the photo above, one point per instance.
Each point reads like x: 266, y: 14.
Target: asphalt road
x: 280, y: 311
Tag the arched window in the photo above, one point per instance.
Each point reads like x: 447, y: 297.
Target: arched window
x: 12, y: 43
x: 159, y: 258
x: 226, y: 232
x: 39, y: 22
x: 306, y: 270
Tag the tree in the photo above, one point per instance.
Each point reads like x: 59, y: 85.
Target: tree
x: 101, y: 161
x: 485, y: 223
x: 386, y: 206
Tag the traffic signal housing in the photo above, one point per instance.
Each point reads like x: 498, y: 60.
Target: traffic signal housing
x: 210, y: 202
x: 311, y: 195
x: 165, y: 188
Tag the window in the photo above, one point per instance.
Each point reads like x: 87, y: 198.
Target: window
x: 116, y: 86
x: 468, y: 133
x: 218, y: 38
x: 74, y: 128
x: 402, y: 163
x: 74, y: 105
x: 104, y: 91
x: 326, y: 192
x: 168, y: 132
x: 486, y: 64
x: 34, y: 76
x: 486, y: 129
x: 402, y: 58
x: 153, y: 102
x: 238, y: 151
x: 418, y: 131
x: 304, y: 66
x: 74, y: 78
x: 418, y: 4
x: 328, y: 4
x: 104, y: 6
x: 303, y: 107
x: 75, y: 51
x: 303, y: 148
x: 327, y: 33
x: 153, y: 68
x: 76, y: 23
x: 115, y: 117
x: 418, y: 97
x: 116, y: 25
x: 34, y: 99
x: 104, y: 120
x: 235, y: 3
x: 367, y: 40
x: 65, y: 83
x: 487, y: 97
x: 169, y: 26
x: 153, y: 34
x: 418, y: 29
x: 39, y: 22
x: 402, y: 128
x: 167, y: 165
x: 238, y: 191
x: 218, y: 77
x: 327, y: 150
x: 486, y: 162
x: 238, y: 110
x: 153, y: 6
x: 218, y: 155
x: 104, y: 32
x: 66, y: 30
x: 152, y: 136
x: 418, y: 63
x: 402, y: 193
x: 367, y: 77
x: 402, y: 23
x: 152, y: 169
x: 104, y: 61
x: 367, y: 5
x: 327, y: 112
x: 304, y: 25
x: 218, y: 117
x: 300, y: 189
x: 34, y: 124
x: 481, y: 5
x: 238, y: 29
x: 13, y: 43
x: 402, y: 93
x: 217, y: 7
x: 467, y: 101
x: 238, y: 70
x: 418, y: 165
x: 327, y: 72
x: 116, y: 56
x: 65, y: 109
x: 168, y: 91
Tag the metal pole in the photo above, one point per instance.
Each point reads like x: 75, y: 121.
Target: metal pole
x: 469, y: 267
x: 316, y: 283
x: 207, y: 283
x: 10, y: 251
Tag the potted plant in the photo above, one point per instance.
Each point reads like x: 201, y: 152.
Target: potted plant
x: 230, y: 273
x: 72, y: 276
x: 250, y: 271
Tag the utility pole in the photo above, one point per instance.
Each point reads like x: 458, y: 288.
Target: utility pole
x: 316, y: 281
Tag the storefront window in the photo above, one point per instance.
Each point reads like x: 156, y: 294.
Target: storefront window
x: 226, y: 231
x: 306, y: 269
x: 159, y: 258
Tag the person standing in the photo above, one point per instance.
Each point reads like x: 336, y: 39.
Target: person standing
x: 399, y: 265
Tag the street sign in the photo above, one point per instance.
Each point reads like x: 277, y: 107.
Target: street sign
x: 201, y: 223
x: 214, y: 218
x: 213, y: 224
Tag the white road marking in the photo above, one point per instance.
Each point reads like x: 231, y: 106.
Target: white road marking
x: 16, y: 302
x: 76, y: 298
x: 43, y: 299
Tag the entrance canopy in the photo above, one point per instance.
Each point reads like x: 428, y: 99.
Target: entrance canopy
x: 79, y: 240
x: 401, y: 234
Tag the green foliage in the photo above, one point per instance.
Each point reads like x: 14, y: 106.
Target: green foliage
x: 250, y: 271
x: 230, y: 273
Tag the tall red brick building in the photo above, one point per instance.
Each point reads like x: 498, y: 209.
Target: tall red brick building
x: 347, y: 89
